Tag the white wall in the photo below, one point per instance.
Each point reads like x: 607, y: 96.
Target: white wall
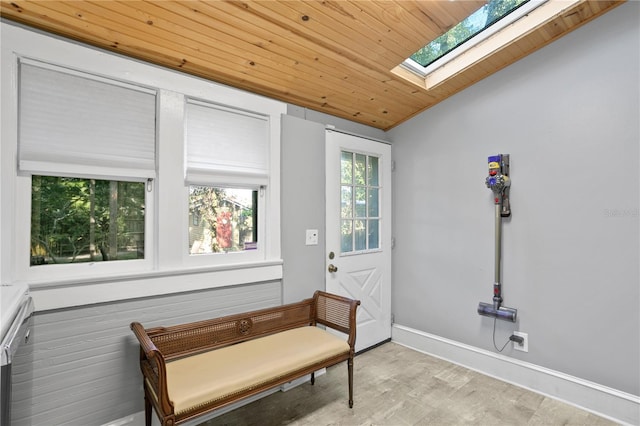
x: 569, y: 117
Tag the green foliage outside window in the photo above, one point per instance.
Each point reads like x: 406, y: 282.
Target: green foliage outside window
x: 86, y: 220
x: 359, y: 202
x: 222, y: 219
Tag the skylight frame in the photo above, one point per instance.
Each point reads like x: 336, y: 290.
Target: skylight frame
x: 515, y: 15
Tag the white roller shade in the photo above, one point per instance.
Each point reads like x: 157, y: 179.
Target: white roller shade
x: 74, y: 124
x: 226, y: 146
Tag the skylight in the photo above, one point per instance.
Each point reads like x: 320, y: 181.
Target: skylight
x: 484, y: 22
x: 478, y: 21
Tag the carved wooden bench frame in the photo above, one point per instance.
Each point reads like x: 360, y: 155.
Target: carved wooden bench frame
x: 160, y: 345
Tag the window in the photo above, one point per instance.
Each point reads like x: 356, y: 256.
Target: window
x: 88, y: 145
x: 227, y: 171
x: 94, y: 116
x: 359, y: 205
x: 475, y: 23
x: 223, y: 219
x: 484, y: 33
x: 86, y: 220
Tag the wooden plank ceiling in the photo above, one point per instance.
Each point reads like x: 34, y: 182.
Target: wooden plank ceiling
x: 333, y: 56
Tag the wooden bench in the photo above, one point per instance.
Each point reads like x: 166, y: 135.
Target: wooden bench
x: 192, y: 369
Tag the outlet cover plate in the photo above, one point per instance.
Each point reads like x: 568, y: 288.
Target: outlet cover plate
x: 524, y: 347
x: 311, y: 237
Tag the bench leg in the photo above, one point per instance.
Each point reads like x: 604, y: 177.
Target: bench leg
x: 147, y: 411
x: 350, y: 371
x: 313, y: 378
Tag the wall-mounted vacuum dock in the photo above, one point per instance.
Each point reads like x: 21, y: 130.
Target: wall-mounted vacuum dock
x: 498, y: 181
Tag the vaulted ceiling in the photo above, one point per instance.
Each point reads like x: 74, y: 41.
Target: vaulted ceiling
x: 332, y: 56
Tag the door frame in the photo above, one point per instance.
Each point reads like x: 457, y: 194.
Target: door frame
x: 382, y: 262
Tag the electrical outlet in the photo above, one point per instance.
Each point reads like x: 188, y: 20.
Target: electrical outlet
x: 524, y: 347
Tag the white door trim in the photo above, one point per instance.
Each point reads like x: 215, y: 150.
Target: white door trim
x: 365, y: 275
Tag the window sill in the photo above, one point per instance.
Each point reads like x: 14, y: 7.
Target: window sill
x: 59, y: 294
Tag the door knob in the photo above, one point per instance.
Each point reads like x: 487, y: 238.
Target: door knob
x: 333, y: 268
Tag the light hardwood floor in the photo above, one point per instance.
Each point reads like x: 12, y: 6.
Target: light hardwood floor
x: 394, y: 385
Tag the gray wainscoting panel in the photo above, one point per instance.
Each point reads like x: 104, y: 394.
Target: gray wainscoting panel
x: 85, y: 360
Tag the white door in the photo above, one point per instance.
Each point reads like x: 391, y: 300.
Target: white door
x: 358, y: 230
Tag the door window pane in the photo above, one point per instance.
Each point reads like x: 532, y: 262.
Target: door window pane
x: 346, y: 168
x: 372, y: 171
x: 360, y: 202
x: 372, y: 202
x: 346, y: 202
x: 346, y: 236
x: 374, y: 234
x: 360, y: 169
x: 77, y: 220
x: 360, y: 234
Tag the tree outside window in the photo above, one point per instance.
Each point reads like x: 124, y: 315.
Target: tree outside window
x: 475, y: 23
x: 86, y: 220
x: 222, y: 219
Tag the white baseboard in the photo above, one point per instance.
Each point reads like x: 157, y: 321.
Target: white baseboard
x: 607, y: 402
x: 137, y: 419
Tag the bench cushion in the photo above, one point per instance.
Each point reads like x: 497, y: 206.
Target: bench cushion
x: 200, y: 379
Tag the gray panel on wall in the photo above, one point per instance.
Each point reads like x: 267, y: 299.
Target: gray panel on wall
x: 303, y: 207
x: 568, y: 115
x: 85, y: 360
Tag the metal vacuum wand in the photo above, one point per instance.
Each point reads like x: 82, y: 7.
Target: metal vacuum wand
x: 498, y: 181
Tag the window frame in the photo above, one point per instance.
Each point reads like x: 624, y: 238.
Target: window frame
x: 233, y: 257
x: 23, y: 184
x: 499, y: 36
x: 517, y: 13
x: 60, y: 272
x: 167, y: 267
x: 216, y: 176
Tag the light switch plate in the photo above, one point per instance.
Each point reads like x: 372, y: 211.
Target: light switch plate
x: 312, y: 237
